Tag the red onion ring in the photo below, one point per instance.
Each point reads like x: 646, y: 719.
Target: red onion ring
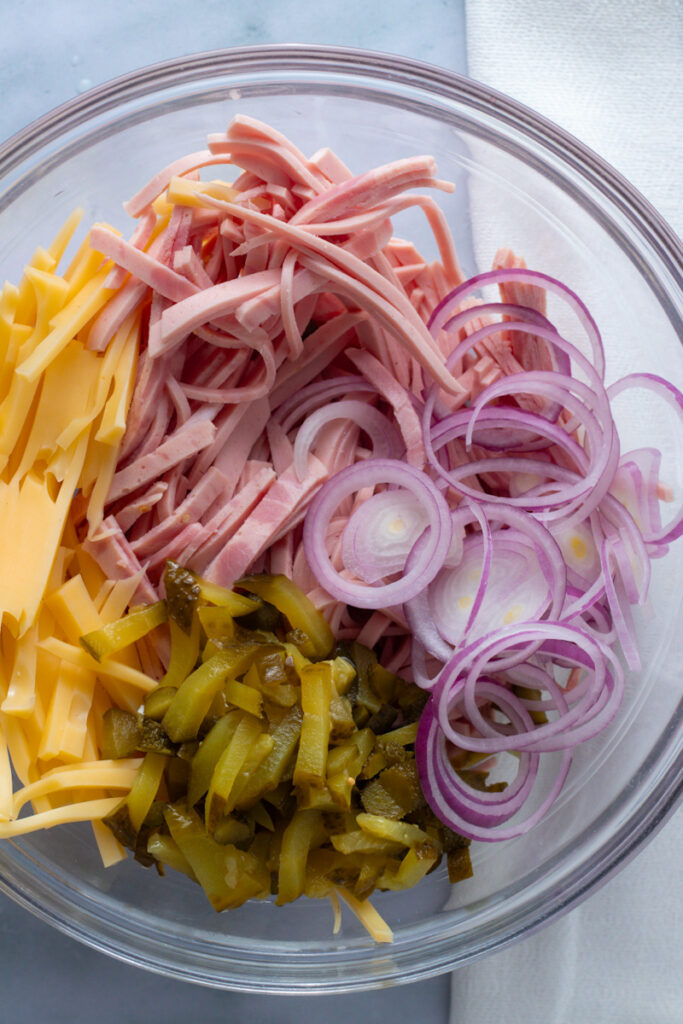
x: 386, y: 442
x: 370, y: 474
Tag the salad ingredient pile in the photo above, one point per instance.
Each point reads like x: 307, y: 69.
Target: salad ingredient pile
x: 264, y: 379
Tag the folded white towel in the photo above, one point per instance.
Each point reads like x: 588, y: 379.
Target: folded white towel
x: 609, y: 73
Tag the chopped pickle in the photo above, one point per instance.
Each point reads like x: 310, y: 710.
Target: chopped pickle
x: 121, y: 733
x: 124, y: 732
x: 376, y: 800
x: 245, y: 697
x: 299, y: 611
x: 531, y: 693
x: 363, y: 842
x: 154, y: 738
x: 184, y: 653
x: 231, y: 830
x: 228, y: 767
x: 194, y: 696
x: 276, y: 761
x: 267, y: 777
x: 397, y: 831
x: 414, y: 866
x: 266, y: 617
x: 297, y: 840
x: 158, y: 701
x: 109, y: 639
x: 316, y: 693
x: 209, y: 751
x: 477, y: 780
x: 177, y: 778
x: 126, y: 819
x: 343, y: 674
x: 166, y: 851
x: 341, y: 718
x: 217, y: 623
x: 459, y: 865
x: 215, y: 866
x: 383, y: 719
x: 400, y: 781
x: 236, y: 604
x: 403, y: 736
x: 182, y: 595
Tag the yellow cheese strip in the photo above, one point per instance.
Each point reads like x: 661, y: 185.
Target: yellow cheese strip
x: 23, y: 760
x: 8, y: 306
x: 9, y: 299
x: 35, y: 525
x: 62, y: 561
x: 22, y: 732
x: 84, y: 811
x: 58, y: 245
x: 109, y: 669
x: 55, y: 397
x: 336, y: 910
x: 18, y: 335
x: 47, y: 669
x: 183, y: 192
x: 5, y: 779
x: 50, y: 294
x: 26, y: 305
x: 120, y: 597
x: 101, y: 703
x: 98, y: 473
x: 83, y: 306
x: 85, y: 265
x: 113, y: 423
x: 93, y: 577
x: 368, y: 916
x: 66, y: 725
x: 86, y: 386
x: 110, y: 848
x: 74, y: 609
x: 21, y: 691
x: 69, y: 386
x: 16, y: 413
x: 162, y: 208
x: 90, y: 775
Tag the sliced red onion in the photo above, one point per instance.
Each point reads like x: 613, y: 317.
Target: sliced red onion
x: 373, y: 473
x: 552, y: 520
x: 448, y: 305
x: 670, y: 393
x: 618, y: 604
x: 381, y: 533
x: 313, y: 396
x: 635, y: 485
x: 466, y: 693
x: 386, y: 441
x: 444, y: 789
x: 579, y: 550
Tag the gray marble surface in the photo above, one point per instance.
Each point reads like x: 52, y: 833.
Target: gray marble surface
x: 50, y: 52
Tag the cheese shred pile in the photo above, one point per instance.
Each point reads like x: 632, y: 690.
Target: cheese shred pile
x: 62, y: 416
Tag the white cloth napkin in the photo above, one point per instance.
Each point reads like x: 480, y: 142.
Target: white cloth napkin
x: 607, y: 71
x: 610, y: 73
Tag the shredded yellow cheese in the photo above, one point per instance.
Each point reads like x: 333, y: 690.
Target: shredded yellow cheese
x: 371, y: 920
x: 62, y: 416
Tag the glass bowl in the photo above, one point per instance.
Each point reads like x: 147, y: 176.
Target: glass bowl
x: 521, y: 182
